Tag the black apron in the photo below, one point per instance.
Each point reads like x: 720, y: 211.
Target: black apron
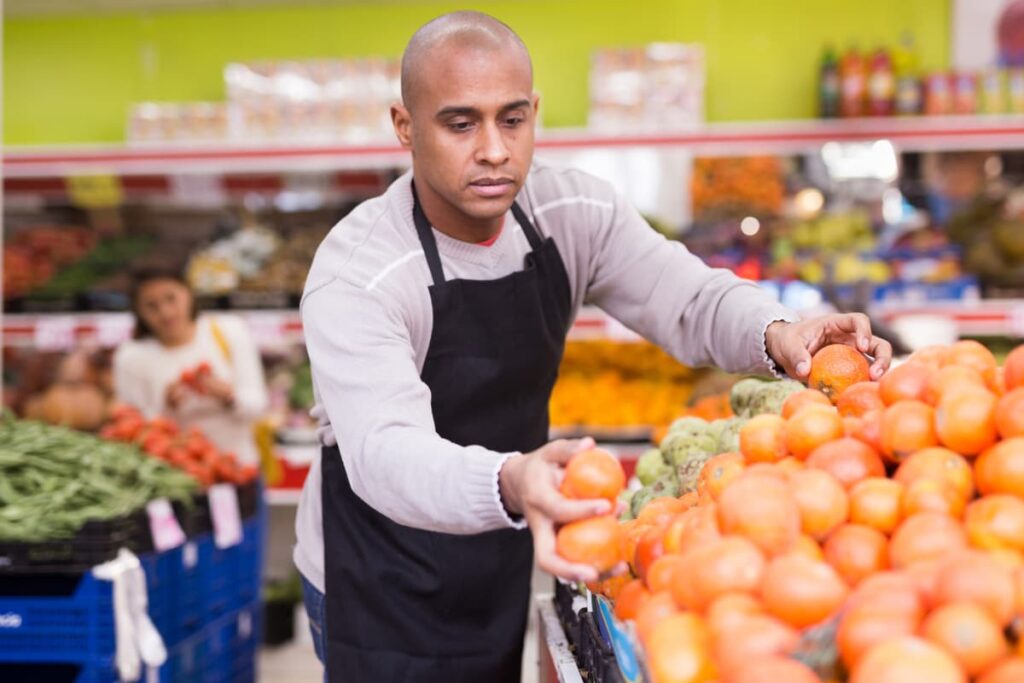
x: 407, y: 605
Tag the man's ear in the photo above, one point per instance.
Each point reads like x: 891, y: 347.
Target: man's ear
x: 536, y: 106
x: 401, y: 119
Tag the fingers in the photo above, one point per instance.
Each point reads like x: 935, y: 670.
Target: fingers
x: 796, y: 359
x: 881, y: 351
x: 545, y: 551
x: 858, y: 325
x: 562, y: 450
x: 558, y: 508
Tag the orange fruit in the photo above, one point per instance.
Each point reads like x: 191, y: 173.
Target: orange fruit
x: 772, y: 669
x: 595, y: 473
x: 906, y: 659
x: 976, y: 577
x: 925, y: 536
x: 661, y: 510
x: 967, y: 632
x: 762, y: 440
x: 995, y: 380
x: 971, y: 354
x: 801, y: 591
x: 907, y: 426
x: 848, y: 460
x: 801, y: 399
x: 1000, y: 469
x: 1010, y: 414
x: 965, y: 420
x: 1007, y: 671
x: 884, y: 606
x: 732, y: 564
x: 907, y: 382
x: 811, y: 427
x: 851, y: 425
x: 661, y: 573
x: 596, y: 542
x: 632, y: 596
x: 823, y: 502
x: 875, y: 502
x: 929, y: 494
x: 856, y: 552
x: 836, y: 367
x: 931, y: 356
x: 808, y: 547
x: 650, y: 547
x: 727, y: 610
x: 656, y: 608
x: 719, y: 472
x: 938, y: 463
x: 951, y: 377
x: 790, y: 464
x: 860, y: 398
x: 869, y: 430
x: 1013, y: 368
x: 754, y: 636
x: 693, y: 528
x: 631, y: 533
x: 996, y: 522
x: 763, y: 509
x: 678, y: 650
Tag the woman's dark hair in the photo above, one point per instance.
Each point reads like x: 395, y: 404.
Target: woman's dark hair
x: 142, y: 277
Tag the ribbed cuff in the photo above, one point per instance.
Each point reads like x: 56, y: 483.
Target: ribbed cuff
x: 779, y: 314
x: 485, y: 492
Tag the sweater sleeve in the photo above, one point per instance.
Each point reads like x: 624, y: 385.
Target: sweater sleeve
x: 701, y: 315
x: 379, y: 410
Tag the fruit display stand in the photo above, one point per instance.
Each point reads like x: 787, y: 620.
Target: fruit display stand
x: 855, y: 531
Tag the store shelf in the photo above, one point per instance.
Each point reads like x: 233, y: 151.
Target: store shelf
x: 271, y: 329
x: 723, y: 139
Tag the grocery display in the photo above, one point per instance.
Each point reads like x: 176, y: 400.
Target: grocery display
x: 832, y: 537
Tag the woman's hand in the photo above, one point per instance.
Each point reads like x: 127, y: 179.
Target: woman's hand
x: 175, y: 394
x: 213, y: 386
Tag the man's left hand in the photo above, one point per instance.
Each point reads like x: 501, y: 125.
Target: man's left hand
x: 791, y: 345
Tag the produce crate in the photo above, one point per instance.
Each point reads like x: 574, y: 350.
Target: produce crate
x: 68, y: 618
x: 95, y: 543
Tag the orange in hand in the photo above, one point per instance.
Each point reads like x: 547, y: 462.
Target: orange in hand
x: 593, y: 474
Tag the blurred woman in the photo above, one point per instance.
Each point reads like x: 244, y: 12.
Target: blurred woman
x: 202, y: 371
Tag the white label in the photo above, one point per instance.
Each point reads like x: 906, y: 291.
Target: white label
x: 227, y: 518
x: 189, y: 555
x: 198, y: 189
x: 55, y: 333
x: 10, y: 620
x: 244, y: 625
x: 163, y: 525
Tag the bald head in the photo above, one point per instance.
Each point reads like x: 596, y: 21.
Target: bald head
x: 464, y: 30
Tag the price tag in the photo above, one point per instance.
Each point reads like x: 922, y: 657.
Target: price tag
x: 189, y: 555
x: 96, y: 191
x: 163, y: 525
x: 227, y: 518
x: 198, y: 189
x: 54, y: 333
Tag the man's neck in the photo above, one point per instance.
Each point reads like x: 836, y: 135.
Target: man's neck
x: 445, y: 219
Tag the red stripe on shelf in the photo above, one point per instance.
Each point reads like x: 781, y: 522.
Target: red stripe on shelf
x: 251, y: 183
x: 46, y: 185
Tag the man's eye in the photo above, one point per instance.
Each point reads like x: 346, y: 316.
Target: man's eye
x: 513, y: 121
x: 460, y: 126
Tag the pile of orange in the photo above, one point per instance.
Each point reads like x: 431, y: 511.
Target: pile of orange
x: 887, y: 522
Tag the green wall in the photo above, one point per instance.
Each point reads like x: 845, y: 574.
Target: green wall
x: 72, y: 78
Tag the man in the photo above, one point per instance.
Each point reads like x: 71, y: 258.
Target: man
x: 435, y: 317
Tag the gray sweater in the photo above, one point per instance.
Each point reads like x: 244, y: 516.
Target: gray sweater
x: 366, y: 315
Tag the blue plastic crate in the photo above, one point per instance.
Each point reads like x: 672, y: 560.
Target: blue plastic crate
x: 68, y: 618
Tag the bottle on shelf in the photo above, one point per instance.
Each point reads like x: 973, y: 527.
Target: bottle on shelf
x: 852, y: 83
x: 908, y: 77
x: 992, y: 91
x: 881, y: 84
x: 828, y: 84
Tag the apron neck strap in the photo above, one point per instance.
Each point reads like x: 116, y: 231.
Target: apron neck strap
x: 429, y: 244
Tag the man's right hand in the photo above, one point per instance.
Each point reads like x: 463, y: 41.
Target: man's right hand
x: 529, y: 487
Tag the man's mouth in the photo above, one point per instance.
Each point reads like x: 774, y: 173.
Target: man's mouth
x: 492, y: 187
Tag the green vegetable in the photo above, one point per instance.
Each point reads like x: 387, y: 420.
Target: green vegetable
x: 651, y: 466
x: 53, y: 480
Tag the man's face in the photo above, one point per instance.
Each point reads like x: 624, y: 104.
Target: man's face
x: 470, y: 126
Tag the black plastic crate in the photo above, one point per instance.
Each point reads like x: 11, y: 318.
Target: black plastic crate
x: 96, y: 542
x: 569, y: 618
